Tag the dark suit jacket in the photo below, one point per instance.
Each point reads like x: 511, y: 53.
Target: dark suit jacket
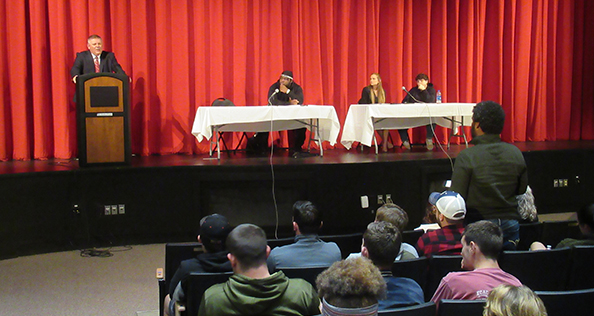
x: 84, y: 64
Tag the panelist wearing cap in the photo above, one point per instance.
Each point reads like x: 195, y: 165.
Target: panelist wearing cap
x: 449, y: 209
x: 284, y: 92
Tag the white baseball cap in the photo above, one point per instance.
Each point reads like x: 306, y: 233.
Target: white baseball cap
x: 449, y: 203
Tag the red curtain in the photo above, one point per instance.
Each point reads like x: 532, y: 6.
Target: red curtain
x: 533, y: 56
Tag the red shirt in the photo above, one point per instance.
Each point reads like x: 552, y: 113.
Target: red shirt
x: 446, y: 240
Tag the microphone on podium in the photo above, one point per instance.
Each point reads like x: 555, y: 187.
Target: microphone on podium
x: 410, y: 95
x: 275, y: 92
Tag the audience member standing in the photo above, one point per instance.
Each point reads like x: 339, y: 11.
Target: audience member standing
x: 252, y: 290
x: 381, y: 243
x: 351, y: 287
x: 491, y: 174
x: 449, y: 209
x: 481, y: 244
x: 308, y: 249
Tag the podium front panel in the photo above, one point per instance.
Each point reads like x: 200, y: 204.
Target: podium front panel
x: 105, y: 139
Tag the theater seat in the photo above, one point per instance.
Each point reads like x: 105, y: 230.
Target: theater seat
x: 425, y: 309
x: 581, y: 273
x: 415, y: 269
x: 562, y: 303
x: 544, y: 270
x: 308, y: 274
x: 175, y: 253
x: 348, y: 243
x: 194, y: 287
x: 440, y: 266
x: 461, y: 307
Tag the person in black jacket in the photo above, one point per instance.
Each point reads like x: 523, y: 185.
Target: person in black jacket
x: 422, y: 93
x: 214, y: 230
x: 95, y: 60
x: 375, y: 93
x: 284, y: 92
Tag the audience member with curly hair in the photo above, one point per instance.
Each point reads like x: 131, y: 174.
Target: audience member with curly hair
x: 351, y: 287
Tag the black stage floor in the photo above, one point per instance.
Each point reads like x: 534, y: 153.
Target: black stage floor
x: 282, y: 157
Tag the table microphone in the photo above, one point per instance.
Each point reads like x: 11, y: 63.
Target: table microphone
x: 275, y: 92
x: 404, y: 88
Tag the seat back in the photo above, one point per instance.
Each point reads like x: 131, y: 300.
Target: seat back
x: 562, y: 303
x: 175, y: 253
x: 461, y: 307
x: 581, y: 274
x: 196, y: 284
x: 554, y: 232
x: 529, y: 233
x: 308, y: 274
x: 415, y: 269
x: 348, y: 243
x: 412, y: 236
x: 222, y: 102
x: 544, y: 270
x: 425, y: 309
x: 439, y: 266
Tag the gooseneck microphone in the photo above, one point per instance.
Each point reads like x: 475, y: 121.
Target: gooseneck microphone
x: 275, y: 92
x: 410, y: 95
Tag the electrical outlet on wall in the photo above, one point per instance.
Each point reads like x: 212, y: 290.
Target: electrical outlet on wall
x: 380, y: 199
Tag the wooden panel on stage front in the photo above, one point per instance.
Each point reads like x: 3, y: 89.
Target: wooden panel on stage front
x: 105, y: 139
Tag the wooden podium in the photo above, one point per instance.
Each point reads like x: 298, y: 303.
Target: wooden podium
x: 103, y: 119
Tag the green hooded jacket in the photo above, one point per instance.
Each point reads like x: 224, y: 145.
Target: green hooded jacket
x: 274, y: 295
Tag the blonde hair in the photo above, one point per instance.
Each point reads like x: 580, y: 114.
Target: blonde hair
x: 381, y: 93
x: 509, y: 300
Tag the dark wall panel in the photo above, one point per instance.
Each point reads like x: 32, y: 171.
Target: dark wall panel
x: 51, y: 211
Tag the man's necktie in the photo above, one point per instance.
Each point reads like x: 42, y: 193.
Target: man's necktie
x: 96, y: 64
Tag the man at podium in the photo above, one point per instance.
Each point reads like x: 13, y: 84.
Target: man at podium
x: 95, y: 60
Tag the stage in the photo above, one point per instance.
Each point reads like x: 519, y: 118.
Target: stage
x: 54, y: 205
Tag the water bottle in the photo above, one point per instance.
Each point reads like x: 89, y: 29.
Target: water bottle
x: 438, y: 98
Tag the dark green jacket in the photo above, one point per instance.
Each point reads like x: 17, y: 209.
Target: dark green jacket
x: 274, y: 295
x: 489, y: 176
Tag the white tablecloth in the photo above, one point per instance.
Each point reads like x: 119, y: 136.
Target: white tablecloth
x: 363, y: 119
x: 266, y: 119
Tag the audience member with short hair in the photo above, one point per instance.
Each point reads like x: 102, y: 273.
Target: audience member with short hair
x: 491, y: 174
x: 381, y: 244
x: 482, y: 242
x: 213, y: 233
x: 252, y: 290
x: 351, y: 287
x: 509, y: 300
x: 449, y: 209
x: 396, y: 216
x: 308, y: 249
x: 585, y: 217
